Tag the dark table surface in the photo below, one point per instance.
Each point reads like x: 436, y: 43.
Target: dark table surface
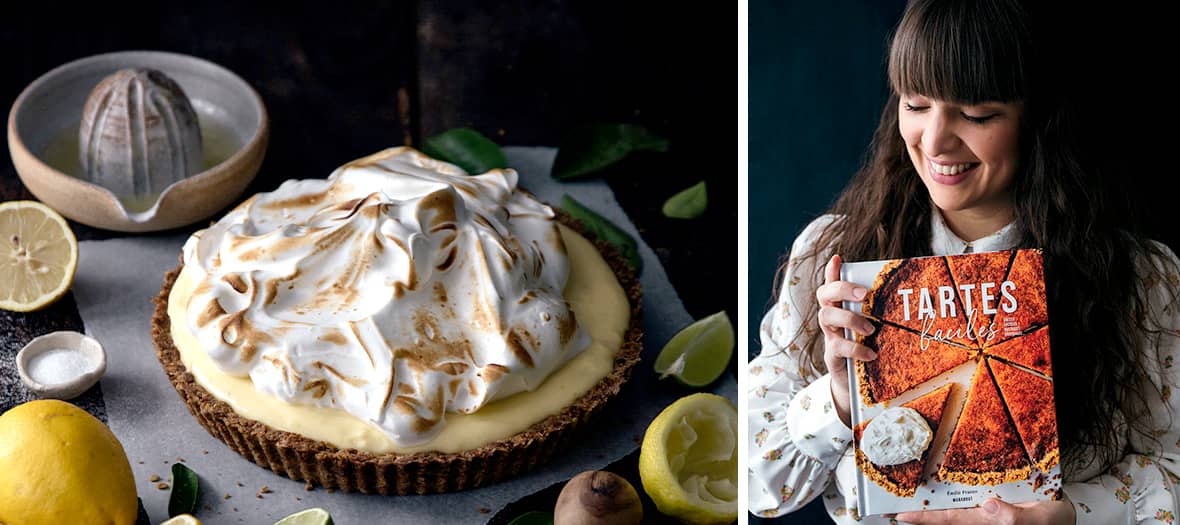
x: 347, y: 79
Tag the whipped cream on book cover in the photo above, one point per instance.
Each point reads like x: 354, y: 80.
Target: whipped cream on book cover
x: 958, y: 407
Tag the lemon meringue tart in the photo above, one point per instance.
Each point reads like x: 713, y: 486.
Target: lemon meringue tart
x: 400, y: 327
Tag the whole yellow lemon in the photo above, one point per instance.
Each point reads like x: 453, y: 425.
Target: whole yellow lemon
x: 59, y: 464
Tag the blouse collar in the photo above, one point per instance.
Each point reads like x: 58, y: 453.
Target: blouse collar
x: 944, y: 242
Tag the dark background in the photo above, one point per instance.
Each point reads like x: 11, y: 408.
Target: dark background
x: 817, y: 85
x: 344, y: 79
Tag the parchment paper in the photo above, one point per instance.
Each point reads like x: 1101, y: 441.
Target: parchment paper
x: 116, y: 280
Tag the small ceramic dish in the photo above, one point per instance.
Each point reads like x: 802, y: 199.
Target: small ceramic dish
x: 46, y: 115
x: 61, y: 365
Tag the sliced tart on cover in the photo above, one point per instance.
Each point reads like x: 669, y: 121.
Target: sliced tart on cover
x: 1030, y: 402
x: 985, y: 448
x: 897, y: 298
x: 1030, y: 350
x: 974, y: 274
x: 904, y: 479
x: 1032, y: 311
x: 902, y: 363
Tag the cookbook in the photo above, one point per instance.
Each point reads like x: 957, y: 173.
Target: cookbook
x: 958, y: 407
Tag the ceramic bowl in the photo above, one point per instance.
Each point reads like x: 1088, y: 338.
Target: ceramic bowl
x: 50, y: 108
x: 65, y: 340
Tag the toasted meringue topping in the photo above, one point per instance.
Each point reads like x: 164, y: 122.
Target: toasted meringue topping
x: 398, y: 289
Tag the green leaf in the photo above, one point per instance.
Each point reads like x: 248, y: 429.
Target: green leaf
x: 533, y: 518
x: 466, y: 148
x: 604, y: 230
x: 183, y: 499
x: 592, y: 148
x: 688, y: 204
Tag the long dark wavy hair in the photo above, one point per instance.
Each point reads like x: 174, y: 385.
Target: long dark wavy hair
x: 1096, y: 264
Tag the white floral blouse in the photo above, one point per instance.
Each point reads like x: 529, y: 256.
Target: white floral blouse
x: 799, y: 449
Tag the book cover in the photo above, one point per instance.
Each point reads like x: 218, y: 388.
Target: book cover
x: 958, y: 406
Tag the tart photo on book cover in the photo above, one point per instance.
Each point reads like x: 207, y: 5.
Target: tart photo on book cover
x: 958, y: 407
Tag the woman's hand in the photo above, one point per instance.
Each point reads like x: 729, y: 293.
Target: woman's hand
x: 996, y: 512
x: 833, y: 319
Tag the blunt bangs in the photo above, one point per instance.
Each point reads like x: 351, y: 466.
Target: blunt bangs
x: 961, y: 51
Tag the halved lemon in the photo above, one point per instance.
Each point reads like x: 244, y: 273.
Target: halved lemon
x: 688, y: 460
x: 38, y: 256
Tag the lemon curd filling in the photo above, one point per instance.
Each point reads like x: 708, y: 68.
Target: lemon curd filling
x: 592, y: 292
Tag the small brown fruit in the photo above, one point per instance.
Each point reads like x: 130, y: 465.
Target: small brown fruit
x: 598, y: 497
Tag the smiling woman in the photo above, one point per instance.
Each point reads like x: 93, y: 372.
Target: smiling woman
x: 977, y: 149
x: 967, y: 162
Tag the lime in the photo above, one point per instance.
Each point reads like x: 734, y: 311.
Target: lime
x: 59, y: 464
x: 698, y: 354
x: 688, y: 460
x: 316, y: 516
x: 183, y: 519
x: 38, y: 250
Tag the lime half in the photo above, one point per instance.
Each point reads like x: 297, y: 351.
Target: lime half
x: 698, y: 354
x: 688, y: 460
x: 316, y: 516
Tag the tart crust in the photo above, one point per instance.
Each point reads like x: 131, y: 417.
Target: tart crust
x: 350, y: 470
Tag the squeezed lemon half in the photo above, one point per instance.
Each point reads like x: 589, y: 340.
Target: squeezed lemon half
x: 688, y: 460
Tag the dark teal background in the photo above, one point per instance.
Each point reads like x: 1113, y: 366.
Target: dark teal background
x: 816, y: 88
x: 817, y: 85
